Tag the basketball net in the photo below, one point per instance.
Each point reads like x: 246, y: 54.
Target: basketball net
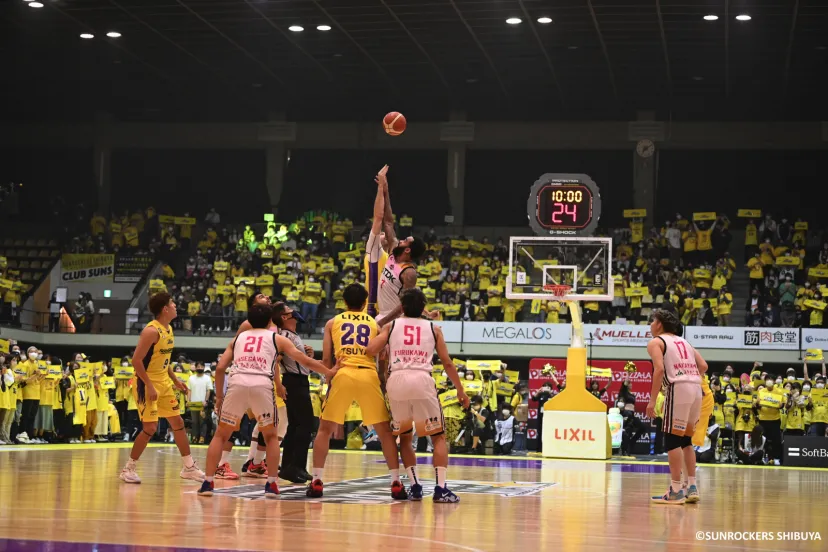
x: 560, y: 291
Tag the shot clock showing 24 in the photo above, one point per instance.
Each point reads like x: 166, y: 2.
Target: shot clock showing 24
x: 564, y: 205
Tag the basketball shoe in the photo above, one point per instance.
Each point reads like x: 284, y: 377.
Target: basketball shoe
x: 258, y: 471
x: 206, y: 488
x: 271, y: 490
x: 226, y: 472
x: 692, y: 495
x: 415, y: 492
x: 398, y: 491
x: 315, y: 489
x: 128, y: 474
x: 670, y: 497
x: 445, y: 496
x: 192, y: 473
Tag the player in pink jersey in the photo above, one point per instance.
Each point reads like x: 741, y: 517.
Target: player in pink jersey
x: 411, y: 341
x: 255, y: 352
x: 677, y: 369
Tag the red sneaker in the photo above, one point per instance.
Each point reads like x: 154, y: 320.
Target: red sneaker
x: 271, y: 490
x: 398, y: 491
x: 314, y: 489
x: 226, y: 472
x: 258, y: 471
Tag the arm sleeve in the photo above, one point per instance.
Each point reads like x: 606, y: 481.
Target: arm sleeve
x: 373, y: 248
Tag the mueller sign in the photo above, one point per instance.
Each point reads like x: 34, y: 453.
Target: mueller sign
x: 619, y: 335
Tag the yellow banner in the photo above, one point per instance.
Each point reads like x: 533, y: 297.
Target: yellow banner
x: 459, y: 363
x: 493, y: 365
x: 594, y: 372
x: 473, y: 387
x: 698, y: 303
x: 448, y: 398
x: 86, y: 268
x: 702, y: 274
x: 787, y: 261
x: 800, y: 226
x: 818, y: 272
x: 635, y: 213
x: 512, y: 375
x: 4, y: 346
x: 6, y: 284
x: 462, y: 245
x: 744, y: 401
x: 95, y: 368
x: 246, y: 280
x: 505, y: 388
x: 814, y: 354
x: 166, y: 219
x: 704, y: 216
x: 107, y: 382
x: 819, y: 396
x: 53, y: 372
x: 636, y: 292
x: 749, y: 213
x: 816, y: 305
x: 221, y: 266
x: 771, y: 400
x: 185, y: 221
x: 124, y: 372
x: 83, y: 375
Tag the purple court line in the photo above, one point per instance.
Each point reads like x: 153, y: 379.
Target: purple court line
x: 16, y: 545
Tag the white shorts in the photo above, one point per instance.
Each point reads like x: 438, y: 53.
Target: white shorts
x: 414, y: 403
x: 242, y: 397
x: 682, y: 408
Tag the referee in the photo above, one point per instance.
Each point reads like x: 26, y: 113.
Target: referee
x: 299, y: 407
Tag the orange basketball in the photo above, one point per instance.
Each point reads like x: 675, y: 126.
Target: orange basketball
x: 394, y: 123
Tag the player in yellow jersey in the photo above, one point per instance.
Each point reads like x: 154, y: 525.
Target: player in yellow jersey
x: 154, y: 393
x: 346, y: 337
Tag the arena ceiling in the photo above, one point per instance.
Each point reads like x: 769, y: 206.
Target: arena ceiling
x: 239, y: 60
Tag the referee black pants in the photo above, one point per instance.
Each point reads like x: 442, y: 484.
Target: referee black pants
x: 300, y: 421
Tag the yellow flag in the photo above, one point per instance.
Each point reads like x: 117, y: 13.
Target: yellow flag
x: 814, y: 354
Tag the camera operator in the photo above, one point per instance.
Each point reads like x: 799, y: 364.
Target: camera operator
x: 633, y: 427
x: 476, y: 424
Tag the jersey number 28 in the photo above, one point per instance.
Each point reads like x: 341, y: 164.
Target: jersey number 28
x: 360, y: 333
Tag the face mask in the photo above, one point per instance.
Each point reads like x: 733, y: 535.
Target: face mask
x: 341, y: 286
x: 467, y: 267
x: 461, y: 375
x: 779, y: 381
x: 124, y: 363
x: 227, y: 282
x: 769, y: 383
x: 470, y: 377
x: 32, y: 356
x: 620, y: 405
x: 39, y: 356
x: 78, y: 359
x: 468, y: 303
x: 791, y: 378
x: 820, y: 385
x: 725, y: 379
x: 806, y: 387
x: 311, y: 279
x: 505, y: 413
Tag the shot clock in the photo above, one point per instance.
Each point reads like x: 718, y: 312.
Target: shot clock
x: 564, y: 205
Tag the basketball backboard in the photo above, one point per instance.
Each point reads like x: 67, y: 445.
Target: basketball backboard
x: 537, y: 263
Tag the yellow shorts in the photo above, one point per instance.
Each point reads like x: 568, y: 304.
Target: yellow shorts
x: 360, y: 385
x: 704, y: 419
x: 166, y: 406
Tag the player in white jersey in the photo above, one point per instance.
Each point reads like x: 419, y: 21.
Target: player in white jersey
x: 400, y: 270
x: 411, y: 341
x: 251, y: 386
x: 677, y: 369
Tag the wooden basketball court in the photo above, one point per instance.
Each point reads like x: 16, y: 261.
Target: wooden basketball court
x: 69, y: 497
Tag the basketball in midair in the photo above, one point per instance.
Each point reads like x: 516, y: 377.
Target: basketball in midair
x: 394, y: 123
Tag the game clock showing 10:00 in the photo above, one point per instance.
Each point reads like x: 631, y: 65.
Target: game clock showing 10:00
x: 564, y: 204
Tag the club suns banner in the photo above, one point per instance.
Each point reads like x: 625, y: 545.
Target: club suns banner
x: 86, y: 268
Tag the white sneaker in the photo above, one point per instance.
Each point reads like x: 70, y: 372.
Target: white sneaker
x: 2, y: 442
x: 128, y: 474
x: 126, y: 437
x: 91, y: 441
x: 776, y: 462
x: 73, y: 441
x: 193, y: 473
x: 238, y: 444
x: 23, y: 438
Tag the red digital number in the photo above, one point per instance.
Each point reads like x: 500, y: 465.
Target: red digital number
x: 563, y: 209
x: 250, y: 341
x: 408, y: 332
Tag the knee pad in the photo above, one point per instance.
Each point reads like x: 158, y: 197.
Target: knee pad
x: 686, y: 441
x: 672, y: 442
x: 260, y: 438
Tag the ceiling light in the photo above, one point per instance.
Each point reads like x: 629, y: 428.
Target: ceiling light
x: 544, y: 20
x: 87, y: 36
x: 35, y: 4
x: 323, y: 27
x: 113, y: 34
x: 571, y: 47
x: 296, y: 28
x: 698, y: 78
x: 514, y: 21
x: 711, y: 17
x: 743, y: 17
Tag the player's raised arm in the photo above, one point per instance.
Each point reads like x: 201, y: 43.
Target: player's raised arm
x: 381, y: 340
x: 379, y: 203
x: 286, y: 347
x: 148, y: 338
x: 327, y: 345
x: 656, y: 352
x: 388, y: 216
x: 448, y: 366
